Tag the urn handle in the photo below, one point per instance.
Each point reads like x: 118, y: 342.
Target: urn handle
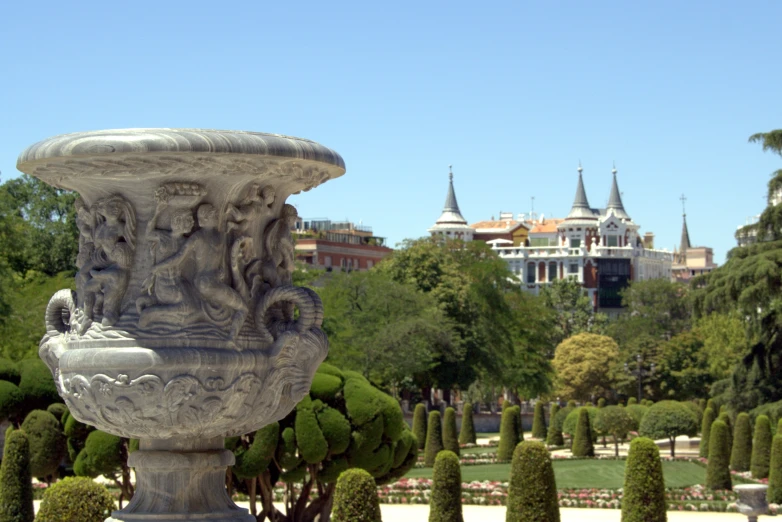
x: 59, y: 312
x: 274, y: 314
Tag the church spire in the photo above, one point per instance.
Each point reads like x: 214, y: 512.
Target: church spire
x: 684, y: 244
x: 615, y: 199
x: 580, y: 207
x: 451, y: 212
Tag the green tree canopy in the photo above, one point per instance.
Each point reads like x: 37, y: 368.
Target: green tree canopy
x: 573, y: 311
x: 584, y: 365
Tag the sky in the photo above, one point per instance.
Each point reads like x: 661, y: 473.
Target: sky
x: 512, y: 94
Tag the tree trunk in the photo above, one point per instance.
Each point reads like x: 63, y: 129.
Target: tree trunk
x: 616, y: 447
x: 673, y: 446
x: 251, y: 490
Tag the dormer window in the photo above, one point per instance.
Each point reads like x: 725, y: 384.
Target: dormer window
x: 612, y: 241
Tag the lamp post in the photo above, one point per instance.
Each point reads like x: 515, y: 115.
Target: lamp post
x: 639, y: 373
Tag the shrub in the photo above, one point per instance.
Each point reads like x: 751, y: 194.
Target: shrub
x: 419, y: 424
x: 75, y: 498
x: 539, y: 421
x: 532, y: 492
x: 775, y: 472
x: 614, y: 421
x: 718, y: 469
x: 631, y: 401
x: 509, y: 433
x: 601, y: 402
x: 571, y: 422
x: 355, y: 498
x: 467, y: 433
x: 637, y: 412
x: 57, y: 409
x: 571, y: 404
x: 16, y: 487
x: 643, y: 499
x: 252, y: 459
x: 582, y: 441
x: 741, y: 454
x: 450, y: 439
x: 434, y: 439
x: 702, y: 404
x: 696, y: 410
x: 554, y: 434
x: 668, y: 419
x: 761, y: 448
x: 710, y: 404
x: 47, y: 442
x: 37, y: 385
x: 708, y: 418
x: 445, y: 504
x: 724, y: 417
x: 11, y: 402
x: 9, y: 371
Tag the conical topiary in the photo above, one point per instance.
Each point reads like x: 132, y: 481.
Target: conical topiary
x: 632, y: 400
x: 539, y: 421
x: 509, y: 433
x: 434, y: 439
x: 601, y: 402
x: 450, y: 439
x: 445, y: 504
x: 532, y: 492
x: 16, y: 487
x: 643, y: 499
x: 355, y: 497
x: 718, y: 469
x: 708, y: 418
x: 554, y: 436
x: 467, y: 433
x: 741, y: 454
x: 761, y: 448
x: 419, y: 424
x: 775, y: 471
x: 571, y: 403
x: 582, y: 441
x: 724, y: 417
x: 710, y: 404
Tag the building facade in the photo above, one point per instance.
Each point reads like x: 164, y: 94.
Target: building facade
x: 601, y: 248
x: 690, y: 261
x: 344, y: 246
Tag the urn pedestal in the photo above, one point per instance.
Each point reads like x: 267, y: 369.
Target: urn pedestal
x: 185, y: 327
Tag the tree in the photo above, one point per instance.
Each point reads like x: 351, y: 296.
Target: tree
x: 583, y: 445
x: 637, y: 412
x: 16, y: 487
x: 583, y: 364
x: 761, y: 448
x: 725, y: 341
x: 355, y: 498
x: 450, y: 436
x: 344, y: 422
x: 419, y: 424
x: 741, y: 454
x: 718, y: 470
x: 614, y: 421
x: 684, y: 368
x: 539, y: 421
x: 574, y: 313
x: 532, y: 492
x: 643, y: 499
x: 445, y: 504
x: 47, y: 443
x: 434, y: 438
x: 467, y: 432
x: 668, y: 420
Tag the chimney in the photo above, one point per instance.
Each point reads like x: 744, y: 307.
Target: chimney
x: 649, y: 240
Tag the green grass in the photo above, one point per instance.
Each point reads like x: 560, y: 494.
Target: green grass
x: 478, y: 449
x: 603, y: 474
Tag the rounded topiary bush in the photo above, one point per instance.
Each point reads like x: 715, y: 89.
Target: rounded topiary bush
x: 637, y: 412
x: 509, y: 432
x: 741, y: 454
x: 102, y: 455
x: 775, y: 471
x: 9, y: 371
x: 450, y: 437
x: 601, y: 402
x: 355, y: 498
x: 467, y: 433
x: 708, y: 419
x: 614, y: 421
x: 445, y: 504
x: 11, y: 401
x: 532, y: 492
x: 47, y: 442
x: 554, y: 435
x: 718, y: 469
x: 583, y: 446
x: 37, y: 385
x: 696, y: 410
x: 643, y: 499
x: 419, y: 424
x: 16, y: 488
x: 57, y: 409
x: 571, y: 403
x: 75, y: 498
x: 631, y: 401
x: 434, y: 439
x: 668, y: 420
x: 761, y: 448
x: 539, y: 421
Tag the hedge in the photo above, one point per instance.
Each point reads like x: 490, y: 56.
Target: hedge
x: 718, y: 469
x: 708, y: 419
x: 434, y: 439
x: 741, y: 453
x: 775, y: 471
x: 450, y: 437
x: 445, y: 503
x: 16, y: 488
x: 554, y: 434
x: 532, y: 492
x: 467, y: 433
x: 643, y: 498
x: 582, y: 441
x: 419, y: 424
x: 539, y: 421
x: 510, y: 435
x: 761, y: 448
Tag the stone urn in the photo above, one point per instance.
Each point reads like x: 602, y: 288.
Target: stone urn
x: 752, y: 500
x: 185, y: 327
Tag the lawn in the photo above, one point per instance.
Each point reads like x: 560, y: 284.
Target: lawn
x: 582, y: 473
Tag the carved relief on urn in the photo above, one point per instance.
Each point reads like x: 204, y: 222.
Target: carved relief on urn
x: 184, y: 324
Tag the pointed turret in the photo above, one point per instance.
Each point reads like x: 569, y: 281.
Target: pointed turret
x: 581, y: 208
x: 615, y: 199
x: 684, y: 244
x: 451, y: 212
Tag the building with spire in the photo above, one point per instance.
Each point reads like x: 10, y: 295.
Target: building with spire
x: 601, y: 248
x: 451, y: 224
x: 689, y: 261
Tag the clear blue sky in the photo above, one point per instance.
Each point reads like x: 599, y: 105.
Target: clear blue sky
x: 512, y: 94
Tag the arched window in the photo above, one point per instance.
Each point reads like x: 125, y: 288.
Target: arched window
x: 552, y: 271
x: 531, y: 272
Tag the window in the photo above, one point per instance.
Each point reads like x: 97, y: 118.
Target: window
x: 572, y: 268
x: 370, y: 263
x: 552, y: 271
x: 327, y: 261
x: 539, y: 242
x: 612, y: 241
x: 575, y: 242
x: 530, y: 272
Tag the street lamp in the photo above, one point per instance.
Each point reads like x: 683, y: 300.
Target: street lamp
x: 639, y: 373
